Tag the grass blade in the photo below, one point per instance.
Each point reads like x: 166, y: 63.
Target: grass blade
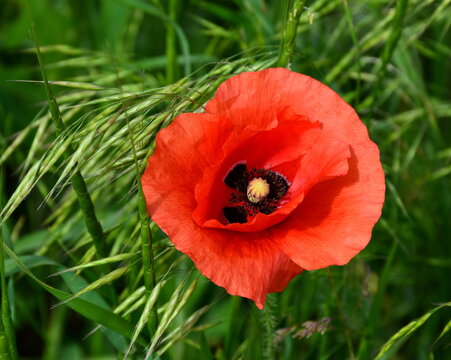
x: 87, y: 309
x: 151, y: 301
x: 87, y: 207
x: 402, y: 335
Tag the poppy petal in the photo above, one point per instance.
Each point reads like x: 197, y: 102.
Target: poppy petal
x: 328, y: 158
x: 289, y: 124
x: 264, y: 149
x: 245, y: 264
x: 335, y: 220
x: 187, y: 146
x: 252, y: 99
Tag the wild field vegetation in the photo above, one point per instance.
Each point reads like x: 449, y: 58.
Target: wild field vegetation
x: 120, y: 70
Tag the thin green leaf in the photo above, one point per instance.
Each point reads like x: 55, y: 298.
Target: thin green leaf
x: 85, y: 308
x: 144, y: 316
x: 402, y: 335
x: 107, y: 260
x: 104, y: 280
x: 29, y: 261
x: 175, y: 305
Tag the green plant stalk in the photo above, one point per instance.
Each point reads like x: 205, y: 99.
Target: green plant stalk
x: 146, y: 242
x: 171, y: 52
x: 390, y: 45
x: 4, y: 344
x: 289, y: 34
x: 78, y: 183
x: 147, y: 257
x: 7, y: 334
x: 269, y: 323
x: 54, y: 333
x: 6, y: 311
x: 356, y: 43
x: 341, y: 313
x: 395, y: 35
x: 231, y: 341
x: 376, y: 306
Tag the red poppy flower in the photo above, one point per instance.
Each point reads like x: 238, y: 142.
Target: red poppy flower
x: 276, y: 176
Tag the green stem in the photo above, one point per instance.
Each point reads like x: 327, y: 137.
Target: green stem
x: 78, y: 183
x: 7, y: 334
x: 376, y: 305
x: 4, y: 343
x: 289, y: 35
x: 389, y: 47
x: 54, y: 333
x: 231, y: 341
x: 341, y: 314
x: 147, y: 257
x: 356, y: 43
x: 171, y: 53
x: 146, y: 242
x: 269, y: 322
x: 395, y: 34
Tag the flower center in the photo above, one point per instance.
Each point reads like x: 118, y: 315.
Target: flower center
x: 257, y: 190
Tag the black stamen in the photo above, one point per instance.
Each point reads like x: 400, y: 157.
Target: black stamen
x: 237, y: 178
x: 267, y: 207
x: 237, y: 214
x: 278, y: 185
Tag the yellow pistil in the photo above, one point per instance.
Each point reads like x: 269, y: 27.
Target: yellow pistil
x: 257, y: 190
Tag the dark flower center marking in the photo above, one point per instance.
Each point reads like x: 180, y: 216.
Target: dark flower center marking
x: 258, y: 190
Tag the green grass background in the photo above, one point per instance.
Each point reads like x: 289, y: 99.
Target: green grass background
x: 121, y: 70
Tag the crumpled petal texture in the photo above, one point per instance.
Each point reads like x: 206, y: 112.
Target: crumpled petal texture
x: 295, y: 126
